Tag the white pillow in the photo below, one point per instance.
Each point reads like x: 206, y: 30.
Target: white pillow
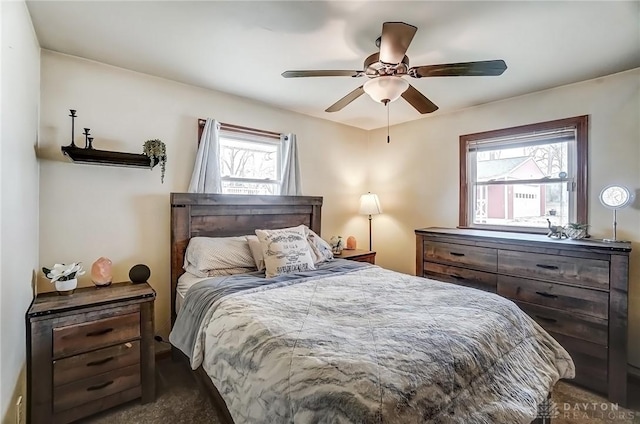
x: 285, y: 250
x: 216, y: 256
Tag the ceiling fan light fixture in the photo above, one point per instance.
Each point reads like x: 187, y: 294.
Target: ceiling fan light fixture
x: 386, y: 88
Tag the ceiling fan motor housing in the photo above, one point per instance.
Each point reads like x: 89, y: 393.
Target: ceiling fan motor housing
x: 374, y: 67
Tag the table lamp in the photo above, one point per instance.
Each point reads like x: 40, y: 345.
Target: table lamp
x: 370, y: 205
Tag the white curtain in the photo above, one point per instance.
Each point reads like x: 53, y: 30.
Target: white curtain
x: 291, y: 184
x: 206, y: 171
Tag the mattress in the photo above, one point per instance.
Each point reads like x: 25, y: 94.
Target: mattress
x: 185, y: 281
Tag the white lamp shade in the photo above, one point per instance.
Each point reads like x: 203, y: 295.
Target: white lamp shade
x: 385, y: 88
x: 370, y: 204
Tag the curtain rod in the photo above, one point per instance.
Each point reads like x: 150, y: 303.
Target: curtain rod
x: 244, y: 130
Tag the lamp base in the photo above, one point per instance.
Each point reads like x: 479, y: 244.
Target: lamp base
x: 614, y: 241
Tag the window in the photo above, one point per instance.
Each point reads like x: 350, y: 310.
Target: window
x: 249, y: 164
x: 516, y: 179
x: 250, y: 159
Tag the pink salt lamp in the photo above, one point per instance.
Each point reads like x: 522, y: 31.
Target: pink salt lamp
x: 101, y: 272
x: 351, y: 243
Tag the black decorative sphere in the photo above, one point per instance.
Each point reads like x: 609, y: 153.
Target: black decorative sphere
x: 139, y: 273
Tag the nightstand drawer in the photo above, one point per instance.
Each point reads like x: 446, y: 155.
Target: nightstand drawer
x: 583, y: 327
x: 99, y: 386
x: 371, y: 258
x: 558, y: 296
x: 579, y: 271
x: 461, y: 255
x: 79, y: 338
x: 97, y: 362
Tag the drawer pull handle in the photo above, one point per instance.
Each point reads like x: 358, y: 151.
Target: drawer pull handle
x: 100, y: 362
x: 100, y: 332
x: 545, y: 294
x: 99, y: 386
x: 543, y: 266
x: 546, y: 319
x: 456, y: 254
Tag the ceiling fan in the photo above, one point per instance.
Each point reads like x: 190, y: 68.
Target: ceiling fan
x: 386, y: 68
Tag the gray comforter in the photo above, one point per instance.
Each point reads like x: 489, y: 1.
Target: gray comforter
x: 361, y: 344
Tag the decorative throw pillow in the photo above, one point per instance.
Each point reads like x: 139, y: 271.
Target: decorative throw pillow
x: 217, y: 256
x: 320, y: 249
x: 256, y: 251
x: 285, y: 250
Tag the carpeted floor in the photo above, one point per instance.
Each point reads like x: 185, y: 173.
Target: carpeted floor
x: 180, y: 400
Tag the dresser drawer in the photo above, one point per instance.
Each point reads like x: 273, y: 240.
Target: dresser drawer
x: 590, y: 360
x: 99, y: 386
x: 558, y: 296
x: 579, y: 271
x: 462, y: 276
x: 86, y: 365
x: 582, y: 327
x: 79, y: 338
x: 462, y: 255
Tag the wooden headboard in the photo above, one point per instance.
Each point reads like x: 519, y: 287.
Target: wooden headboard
x: 226, y: 215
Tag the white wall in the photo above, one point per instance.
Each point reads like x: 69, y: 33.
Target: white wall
x: 89, y: 211
x: 20, y: 69
x: 416, y: 175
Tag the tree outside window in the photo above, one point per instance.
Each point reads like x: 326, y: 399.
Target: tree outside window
x: 249, y: 166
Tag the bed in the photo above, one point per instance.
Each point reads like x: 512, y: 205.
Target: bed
x: 358, y: 343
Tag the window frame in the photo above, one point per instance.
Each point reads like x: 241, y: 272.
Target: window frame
x: 581, y: 125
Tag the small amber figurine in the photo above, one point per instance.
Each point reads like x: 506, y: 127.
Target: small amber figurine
x: 351, y: 243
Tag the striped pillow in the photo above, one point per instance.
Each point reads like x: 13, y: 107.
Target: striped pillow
x: 218, y: 256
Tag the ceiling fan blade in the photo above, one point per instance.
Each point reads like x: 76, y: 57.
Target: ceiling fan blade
x: 395, y: 40
x: 418, y: 100
x: 327, y: 73
x: 484, y: 68
x: 346, y: 100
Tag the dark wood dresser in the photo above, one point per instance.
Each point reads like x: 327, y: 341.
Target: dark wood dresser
x: 575, y: 289
x: 89, y: 351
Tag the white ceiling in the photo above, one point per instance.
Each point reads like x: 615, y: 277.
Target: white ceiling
x: 242, y: 47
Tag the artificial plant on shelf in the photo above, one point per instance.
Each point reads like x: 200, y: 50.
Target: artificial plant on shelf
x: 577, y: 231
x: 156, y: 150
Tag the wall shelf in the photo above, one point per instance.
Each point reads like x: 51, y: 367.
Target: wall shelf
x: 109, y: 158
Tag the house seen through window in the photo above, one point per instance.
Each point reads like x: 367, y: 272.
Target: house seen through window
x: 524, y: 178
x: 249, y: 164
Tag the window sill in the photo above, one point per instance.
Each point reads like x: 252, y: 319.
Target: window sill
x: 518, y: 230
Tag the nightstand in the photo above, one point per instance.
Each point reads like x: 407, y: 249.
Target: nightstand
x: 89, y: 351
x: 358, y: 255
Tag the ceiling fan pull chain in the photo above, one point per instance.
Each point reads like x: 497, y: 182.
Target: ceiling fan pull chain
x: 388, y: 139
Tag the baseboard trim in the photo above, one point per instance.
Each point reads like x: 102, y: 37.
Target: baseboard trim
x: 162, y: 354
x: 162, y: 348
